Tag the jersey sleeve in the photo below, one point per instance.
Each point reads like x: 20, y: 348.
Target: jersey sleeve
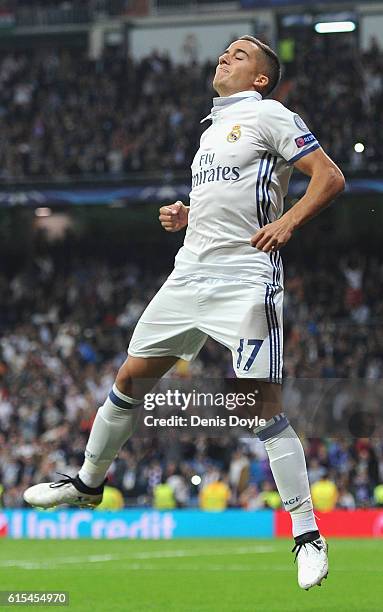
x: 285, y: 132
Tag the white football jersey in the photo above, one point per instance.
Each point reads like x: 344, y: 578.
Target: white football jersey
x: 240, y: 176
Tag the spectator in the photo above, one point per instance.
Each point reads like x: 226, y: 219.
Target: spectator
x: 215, y: 496
x: 378, y: 495
x: 315, y: 470
x: 346, y: 499
x: 269, y: 496
x: 112, y: 500
x: 163, y: 496
x: 178, y: 484
x: 324, y: 494
x: 238, y: 472
x: 250, y: 498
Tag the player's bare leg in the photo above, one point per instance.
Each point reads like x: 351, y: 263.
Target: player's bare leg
x: 114, y: 424
x: 288, y: 465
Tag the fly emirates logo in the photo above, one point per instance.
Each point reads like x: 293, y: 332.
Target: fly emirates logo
x: 208, y: 172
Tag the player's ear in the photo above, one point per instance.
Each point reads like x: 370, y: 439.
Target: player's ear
x: 261, y: 81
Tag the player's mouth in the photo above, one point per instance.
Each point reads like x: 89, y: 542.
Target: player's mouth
x: 223, y: 69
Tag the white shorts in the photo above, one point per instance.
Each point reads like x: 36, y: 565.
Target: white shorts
x: 244, y: 317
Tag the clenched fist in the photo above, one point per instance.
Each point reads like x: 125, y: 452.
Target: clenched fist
x: 174, y: 217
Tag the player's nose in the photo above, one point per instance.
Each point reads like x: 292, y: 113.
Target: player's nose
x: 224, y: 59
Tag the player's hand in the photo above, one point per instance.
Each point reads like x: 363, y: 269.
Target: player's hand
x: 174, y: 217
x: 272, y: 236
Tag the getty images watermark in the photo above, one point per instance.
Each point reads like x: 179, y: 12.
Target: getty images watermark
x: 317, y: 407
x: 174, y: 399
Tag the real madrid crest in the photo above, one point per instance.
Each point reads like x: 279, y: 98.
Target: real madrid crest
x: 235, y: 134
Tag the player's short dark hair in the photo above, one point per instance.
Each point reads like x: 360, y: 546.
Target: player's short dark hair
x: 272, y: 63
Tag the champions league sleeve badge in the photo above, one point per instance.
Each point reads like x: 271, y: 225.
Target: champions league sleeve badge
x: 235, y: 134
x: 300, y: 123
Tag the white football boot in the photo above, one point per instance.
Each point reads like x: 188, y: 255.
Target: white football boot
x: 311, y: 554
x: 69, y: 490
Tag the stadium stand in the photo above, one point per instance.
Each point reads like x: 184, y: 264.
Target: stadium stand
x: 65, y: 324
x: 64, y: 116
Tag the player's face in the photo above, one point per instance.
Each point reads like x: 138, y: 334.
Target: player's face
x: 238, y: 69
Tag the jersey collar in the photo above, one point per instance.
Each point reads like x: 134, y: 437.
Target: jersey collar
x: 224, y: 101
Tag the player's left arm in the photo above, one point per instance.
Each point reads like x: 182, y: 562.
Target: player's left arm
x: 326, y: 182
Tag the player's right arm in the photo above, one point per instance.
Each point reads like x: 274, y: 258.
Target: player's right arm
x: 174, y: 217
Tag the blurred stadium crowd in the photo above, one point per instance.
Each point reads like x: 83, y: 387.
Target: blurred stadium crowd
x: 64, y: 329
x: 107, y: 6
x: 63, y: 115
x: 65, y: 324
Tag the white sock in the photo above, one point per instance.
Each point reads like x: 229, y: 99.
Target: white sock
x: 303, y: 518
x: 112, y: 427
x: 288, y: 465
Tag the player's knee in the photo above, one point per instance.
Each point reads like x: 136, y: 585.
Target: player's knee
x: 132, y: 378
x: 124, y: 379
x: 268, y: 396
